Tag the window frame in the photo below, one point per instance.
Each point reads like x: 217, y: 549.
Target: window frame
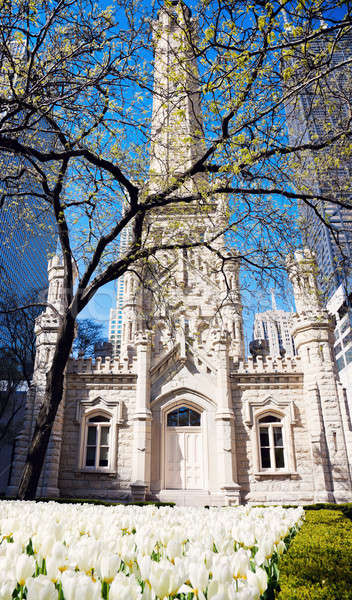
x: 111, y: 423
x: 98, y: 445
x: 284, y: 409
x: 270, y: 426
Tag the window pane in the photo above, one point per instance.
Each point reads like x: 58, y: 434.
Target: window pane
x: 104, y: 455
x: 279, y: 458
x: 183, y: 416
x: 194, y: 418
x: 92, y: 436
x: 265, y: 454
x: 269, y: 419
x: 264, y: 436
x: 99, y: 419
x: 104, y: 436
x: 90, y: 460
x: 172, y: 419
x: 278, y: 436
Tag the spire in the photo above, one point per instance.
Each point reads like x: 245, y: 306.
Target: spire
x: 177, y: 128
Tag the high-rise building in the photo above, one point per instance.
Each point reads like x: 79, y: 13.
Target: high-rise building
x: 320, y: 109
x: 115, y: 320
x: 25, y: 245
x: 28, y: 232
x: 275, y: 327
x: 327, y: 226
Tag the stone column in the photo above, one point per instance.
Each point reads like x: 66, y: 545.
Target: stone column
x: 140, y: 485
x: 225, y: 431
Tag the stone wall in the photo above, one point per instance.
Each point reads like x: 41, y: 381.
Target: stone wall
x: 281, y: 394
x: 75, y: 480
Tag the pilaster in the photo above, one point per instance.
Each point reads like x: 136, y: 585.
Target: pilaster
x: 141, y: 466
x: 225, y: 431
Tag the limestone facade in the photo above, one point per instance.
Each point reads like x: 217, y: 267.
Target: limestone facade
x: 180, y: 414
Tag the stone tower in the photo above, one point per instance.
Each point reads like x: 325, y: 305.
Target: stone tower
x: 191, y: 308
x: 46, y: 328
x: 313, y: 331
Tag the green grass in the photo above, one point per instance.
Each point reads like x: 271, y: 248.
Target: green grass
x: 318, y: 564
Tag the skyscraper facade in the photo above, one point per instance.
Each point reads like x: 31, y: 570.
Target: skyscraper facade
x: 275, y: 327
x: 27, y: 223
x: 115, y: 320
x: 25, y: 245
x: 320, y: 109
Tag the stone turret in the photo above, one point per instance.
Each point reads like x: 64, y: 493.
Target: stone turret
x: 313, y: 337
x: 48, y: 323
x: 46, y: 330
x: 231, y: 309
x: 132, y: 313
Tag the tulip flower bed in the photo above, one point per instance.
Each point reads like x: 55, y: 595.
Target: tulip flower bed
x: 82, y: 552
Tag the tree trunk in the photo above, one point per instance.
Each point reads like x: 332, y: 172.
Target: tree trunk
x: 48, y: 410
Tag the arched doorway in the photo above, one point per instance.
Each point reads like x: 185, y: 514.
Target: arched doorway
x: 183, y: 449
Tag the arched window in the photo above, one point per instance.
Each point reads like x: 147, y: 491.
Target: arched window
x: 272, y: 455
x: 97, y: 442
x: 183, y: 417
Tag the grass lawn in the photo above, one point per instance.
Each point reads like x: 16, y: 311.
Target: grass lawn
x: 318, y: 564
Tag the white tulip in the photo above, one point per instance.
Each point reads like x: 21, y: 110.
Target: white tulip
x: 222, y: 570
x: 258, y: 581
x: 7, y: 588
x: 25, y: 567
x: 41, y: 588
x: 240, y: 563
x: 78, y: 586
x: 217, y: 591
x: 108, y: 567
x: 166, y: 578
x: 125, y: 588
x: 198, y: 575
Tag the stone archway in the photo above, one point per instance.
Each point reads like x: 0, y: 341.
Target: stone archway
x: 190, y: 447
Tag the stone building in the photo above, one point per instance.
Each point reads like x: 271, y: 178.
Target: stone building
x: 180, y: 415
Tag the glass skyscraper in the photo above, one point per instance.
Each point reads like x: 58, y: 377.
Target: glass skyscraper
x: 320, y: 111
x: 28, y: 232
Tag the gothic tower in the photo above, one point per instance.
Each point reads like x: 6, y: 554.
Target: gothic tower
x: 184, y: 321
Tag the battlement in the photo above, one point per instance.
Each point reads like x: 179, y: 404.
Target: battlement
x: 270, y: 364
x: 100, y: 366
x: 317, y: 316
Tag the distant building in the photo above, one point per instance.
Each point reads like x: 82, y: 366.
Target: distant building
x: 326, y: 227
x: 27, y: 223
x: 339, y: 305
x: 103, y: 350
x: 115, y: 321
x: 24, y: 248
x: 275, y: 327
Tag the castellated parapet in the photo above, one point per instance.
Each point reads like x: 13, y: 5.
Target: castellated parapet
x: 269, y: 365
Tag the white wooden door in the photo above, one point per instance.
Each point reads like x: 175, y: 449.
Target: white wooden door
x: 183, y: 458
